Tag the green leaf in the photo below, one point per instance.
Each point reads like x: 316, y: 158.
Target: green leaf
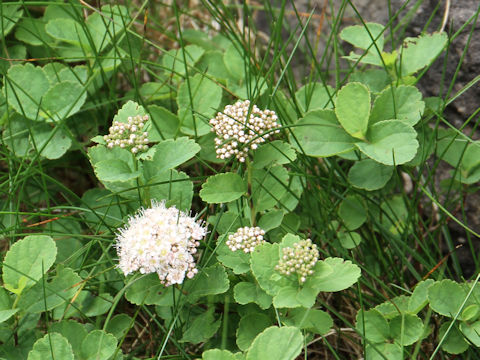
x: 114, y: 170
x: 369, y: 175
x: 403, y: 103
x: 268, y: 187
x: 238, y: 261
x: 24, y: 88
x: 393, y: 307
x: 170, y: 154
x: 446, y: 297
x: 198, y: 100
x: 63, y: 100
x: 455, y: 342
x: 69, y: 31
x: 163, y: 124
x: 234, y: 61
x: 98, y: 345
x: 352, y: 212
x: 390, y: 142
x: 372, y: 325
x: 73, y: 331
x: 419, y: 297
x: 349, y: 240
x: 375, y: 79
x: 212, y: 63
x: 7, y: 314
x: 10, y: 13
x: 119, y: 325
x: 32, y: 31
x: 471, y: 332
x: 44, y: 297
x: 406, y: 329
x: 383, y: 351
x: 320, y: 134
x: 273, y: 152
x: 202, y: 328
x: 353, y: 109
x: 313, y: 320
x: 148, y: 290
x: 173, y: 60
x: 28, y: 259
x: 227, y: 222
x: 271, y: 220
x: 276, y: 343
x: 364, y: 37
x: 416, y: 53
x: 247, y: 292
x: 314, y: 96
x: 52, y: 346
x: 343, y: 274
x: 249, y: 327
x: 53, y: 142
x: 209, y: 281
x: 173, y: 186
x: 217, y: 354
x: 223, y: 188
x: 130, y: 108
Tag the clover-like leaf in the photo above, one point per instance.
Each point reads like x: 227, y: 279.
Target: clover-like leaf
x: 98, y: 345
x: 342, y: 275
x: 313, y: 320
x: 249, y: 327
x: 52, y: 346
x: 406, y: 329
x: 416, y: 53
x: 390, y: 142
x: 383, y: 351
x: 276, y: 343
x: 446, y: 297
x: 369, y: 175
x: 372, y: 325
x: 402, y: 103
x: 24, y: 88
x: 315, y: 96
x: 28, y: 259
x: 247, y: 292
x: 319, y: 133
x: 217, y: 354
x: 63, y: 100
x: 353, y: 109
x: 352, y: 212
x: 454, y: 343
x: 364, y: 37
x: 223, y: 188
x: 209, y: 281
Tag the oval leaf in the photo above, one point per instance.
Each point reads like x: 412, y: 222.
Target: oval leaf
x: 52, y: 346
x: 353, y: 109
x: 276, y: 343
x: 223, y: 188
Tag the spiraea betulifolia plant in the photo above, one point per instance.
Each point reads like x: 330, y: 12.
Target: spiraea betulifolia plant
x: 180, y: 185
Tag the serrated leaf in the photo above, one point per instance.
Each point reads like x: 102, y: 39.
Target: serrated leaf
x: 390, y: 142
x: 273, y: 152
x: 53, y: 142
x: 271, y: 220
x: 173, y: 186
x: 369, y: 175
x: 115, y: 170
x: 24, y: 89
x: 247, y: 292
x: 419, y: 297
x: 163, y: 124
x: 372, y: 325
x: 201, y: 328
x: 249, y: 327
x: 73, y: 331
x: 148, y: 290
x: 238, y: 261
x: 315, y: 96
x: 223, y: 188
x: 52, y: 346
x: 406, y: 329
x: 29, y: 258
x: 170, y: 154
x: 383, y: 351
x: 130, y: 108
x: 312, y: 320
x: 403, y: 103
x: 98, y: 345
x: 11, y: 13
x: 416, y: 53
x: 320, y: 134
x: 353, y: 109
x: 197, y: 100
x: 63, y: 100
x: 471, y: 332
x: 455, y: 342
x: 217, y: 354
x: 209, y: 281
x: 446, y: 297
x: 276, y: 343
x: 343, y: 275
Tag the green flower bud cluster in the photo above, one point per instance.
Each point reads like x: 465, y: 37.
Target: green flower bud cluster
x: 299, y: 259
x: 129, y: 135
x: 245, y: 238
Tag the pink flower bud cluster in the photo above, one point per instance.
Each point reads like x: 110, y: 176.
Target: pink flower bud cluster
x: 246, y: 238
x: 161, y: 240
x: 129, y: 135
x: 299, y: 259
x: 241, y: 127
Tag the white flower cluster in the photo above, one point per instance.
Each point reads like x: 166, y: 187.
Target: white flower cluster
x: 246, y: 238
x: 298, y: 260
x: 241, y: 127
x: 161, y: 240
x: 128, y: 135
